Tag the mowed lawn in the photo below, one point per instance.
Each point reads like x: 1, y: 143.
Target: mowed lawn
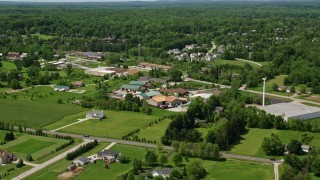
x: 66, y: 120
x: 13, y: 173
x: 97, y: 171
x: 25, y: 144
x: 232, y: 62
x: 53, y: 170
x: 154, y: 132
x: 35, y: 114
x: 115, y: 125
x: 250, y: 144
x: 235, y: 169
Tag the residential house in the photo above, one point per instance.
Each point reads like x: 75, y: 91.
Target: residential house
x: 101, y: 71
x: 144, y: 78
x: 13, y: 56
x: 165, y: 172
x: 61, y: 88
x: 159, y: 80
x: 93, y: 55
x: 95, y: 114
x: 305, y: 148
x: 174, y: 52
x: 208, y: 57
x: 286, y: 89
x: 23, y: 55
x: 78, y: 84
x: 220, y: 49
x: 81, y: 161
x: 179, y: 92
x: 131, y: 88
x: 194, y: 57
x: 164, y: 101
x: 108, y: 154
x: 6, y: 158
x: 139, y: 83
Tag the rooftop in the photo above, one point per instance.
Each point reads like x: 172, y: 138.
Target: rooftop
x: 130, y: 87
x: 161, y: 98
x: 141, y: 83
x: 292, y: 110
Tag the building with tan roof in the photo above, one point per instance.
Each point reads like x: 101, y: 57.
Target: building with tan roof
x: 164, y: 101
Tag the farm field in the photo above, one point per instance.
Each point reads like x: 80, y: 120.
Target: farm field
x: 53, y: 170
x: 155, y: 132
x: 25, y: 144
x: 38, y: 107
x: 97, y: 171
x: 12, y: 170
x: 115, y: 125
x: 250, y: 144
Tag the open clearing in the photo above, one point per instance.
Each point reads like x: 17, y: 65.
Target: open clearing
x: 12, y: 170
x: 25, y: 144
x: 115, y: 125
x: 232, y: 62
x: 235, y: 169
x: 250, y: 145
x: 154, y: 132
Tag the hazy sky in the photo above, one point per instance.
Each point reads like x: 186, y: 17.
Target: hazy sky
x: 74, y: 0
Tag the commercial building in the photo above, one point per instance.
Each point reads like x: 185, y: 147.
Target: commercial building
x: 292, y: 111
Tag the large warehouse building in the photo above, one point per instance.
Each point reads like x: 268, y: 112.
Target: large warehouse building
x: 292, y: 111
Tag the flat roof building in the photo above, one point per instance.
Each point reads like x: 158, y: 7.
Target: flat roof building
x: 292, y: 111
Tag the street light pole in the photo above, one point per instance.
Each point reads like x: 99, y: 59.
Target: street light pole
x: 264, y: 91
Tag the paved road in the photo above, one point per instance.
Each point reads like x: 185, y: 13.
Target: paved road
x: 47, y: 163
x: 276, y: 171
x: 148, y: 145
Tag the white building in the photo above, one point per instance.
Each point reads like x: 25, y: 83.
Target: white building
x: 292, y: 111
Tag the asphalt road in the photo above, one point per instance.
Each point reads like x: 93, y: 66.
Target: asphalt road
x: 47, y: 163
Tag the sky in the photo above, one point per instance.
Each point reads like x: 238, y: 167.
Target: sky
x: 73, y: 0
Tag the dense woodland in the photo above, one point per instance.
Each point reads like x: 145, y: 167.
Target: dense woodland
x: 285, y: 33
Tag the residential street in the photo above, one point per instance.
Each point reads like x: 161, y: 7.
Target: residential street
x: 47, y: 163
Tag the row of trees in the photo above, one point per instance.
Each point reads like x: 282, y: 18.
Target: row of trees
x: 81, y: 149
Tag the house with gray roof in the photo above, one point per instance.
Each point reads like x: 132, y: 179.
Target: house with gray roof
x: 108, y: 154
x: 131, y: 88
x: 61, y: 88
x: 165, y: 172
x: 81, y: 161
x: 95, y: 114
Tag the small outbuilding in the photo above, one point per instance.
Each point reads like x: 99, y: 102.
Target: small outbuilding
x: 165, y: 172
x: 81, y: 161
x: 61, y: 88
x: 305, y: 148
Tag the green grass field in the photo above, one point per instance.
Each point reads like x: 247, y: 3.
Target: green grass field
x: 115, y: 125
x: 13, y: 173
x: 53, y: 170
x: 35, y: 145
x: 250, y: 145
x: 43, y: 36
x: 232, y: 62
x: 235, y: 169
x: 154, y: 132
x: 97, y: 171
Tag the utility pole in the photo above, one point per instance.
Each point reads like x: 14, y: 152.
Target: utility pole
x: 264, y: 91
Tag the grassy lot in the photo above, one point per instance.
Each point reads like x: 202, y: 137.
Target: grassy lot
x: 155, y: 132
x: 35, y: 145
x: 51, y: 171
x: 232, y: 62
x: 12, y: 170
x: 235, y: 169
x: 250, y: 145
x: 66, y: 120
x: 43, y: 36
x: 116, y: 124
x: 38, y: 107
x: 97, y: 171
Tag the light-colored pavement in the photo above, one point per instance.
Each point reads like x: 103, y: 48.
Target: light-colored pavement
x: 276, y: 170
x: 47, y: 163
x: 79, y: 121
x: 27, y: 163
